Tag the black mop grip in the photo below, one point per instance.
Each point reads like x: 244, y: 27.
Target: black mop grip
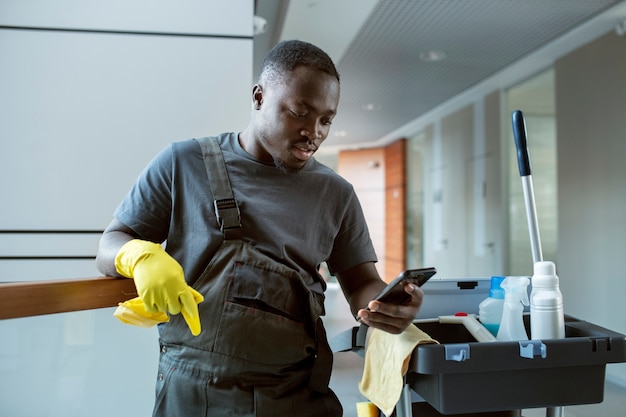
x: 519, y: 133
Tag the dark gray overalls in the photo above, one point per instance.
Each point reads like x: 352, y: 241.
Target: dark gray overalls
x: 262, y: 350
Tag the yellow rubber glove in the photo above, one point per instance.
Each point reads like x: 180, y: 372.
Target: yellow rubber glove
x: 134, y: 312
x: 160, y: 281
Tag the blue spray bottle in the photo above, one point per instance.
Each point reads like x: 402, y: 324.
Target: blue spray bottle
x: 490, y: 309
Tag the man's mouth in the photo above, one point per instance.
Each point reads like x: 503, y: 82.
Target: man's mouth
x: 304, y: 152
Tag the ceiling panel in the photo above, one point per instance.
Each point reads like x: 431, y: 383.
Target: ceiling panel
x: 386, y: 85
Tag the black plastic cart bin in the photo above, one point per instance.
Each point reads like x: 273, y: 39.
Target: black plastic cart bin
x: 463, y: 376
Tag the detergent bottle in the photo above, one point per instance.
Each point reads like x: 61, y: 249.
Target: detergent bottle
x: 546, y: 303
x: 490, y: 309
x: 515, y: 298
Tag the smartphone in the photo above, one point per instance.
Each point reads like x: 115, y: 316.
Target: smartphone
x: 394, y: 291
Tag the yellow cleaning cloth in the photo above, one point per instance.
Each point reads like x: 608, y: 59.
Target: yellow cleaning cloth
x: 366, y: 409
x: 386, y: 362
x: 134, y: 312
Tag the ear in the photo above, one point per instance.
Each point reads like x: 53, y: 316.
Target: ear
x: 257, y: 96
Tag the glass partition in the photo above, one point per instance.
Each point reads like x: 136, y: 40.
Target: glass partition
x: 415, y: 201
x: 83, y: 363
x: 536, y: 99
x: 77, y: 364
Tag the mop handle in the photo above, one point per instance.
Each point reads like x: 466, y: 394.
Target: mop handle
x: 519, y: 134
x: 523, y: 160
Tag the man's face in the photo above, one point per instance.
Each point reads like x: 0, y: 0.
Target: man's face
x: 294, y: 117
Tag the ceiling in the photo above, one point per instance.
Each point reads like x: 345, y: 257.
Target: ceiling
x: 387, y: 87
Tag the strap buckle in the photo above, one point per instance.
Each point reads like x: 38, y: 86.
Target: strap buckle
x: 228, y: 217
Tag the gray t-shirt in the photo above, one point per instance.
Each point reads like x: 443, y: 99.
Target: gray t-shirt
x: 300, y: 219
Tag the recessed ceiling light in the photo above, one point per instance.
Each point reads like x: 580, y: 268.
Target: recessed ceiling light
x: 434, y: 55
x: 371, y: 107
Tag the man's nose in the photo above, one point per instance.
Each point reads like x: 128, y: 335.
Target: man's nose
x: 313, y: 131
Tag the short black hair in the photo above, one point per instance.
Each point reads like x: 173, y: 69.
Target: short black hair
x: 285, y: 56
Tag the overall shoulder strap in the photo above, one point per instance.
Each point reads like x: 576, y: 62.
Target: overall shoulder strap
x: 226, y: 209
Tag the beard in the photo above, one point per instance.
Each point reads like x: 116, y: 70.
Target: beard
x: 284, y: 168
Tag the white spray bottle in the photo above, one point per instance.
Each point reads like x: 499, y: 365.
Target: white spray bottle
x: 515, y: 298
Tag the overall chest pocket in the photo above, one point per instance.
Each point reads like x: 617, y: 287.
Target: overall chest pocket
x: 267, y: 314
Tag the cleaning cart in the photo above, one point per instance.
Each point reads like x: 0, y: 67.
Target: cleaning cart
x: 464, y: 377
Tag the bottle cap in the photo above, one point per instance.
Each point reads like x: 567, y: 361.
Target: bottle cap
x: 544, y: 268
x: 544, y: 276
x: 496, y: 291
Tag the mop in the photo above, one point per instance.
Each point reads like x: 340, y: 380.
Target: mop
x: 523, y: 159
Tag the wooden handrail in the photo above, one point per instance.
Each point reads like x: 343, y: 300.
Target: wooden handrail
x: 25, y: 299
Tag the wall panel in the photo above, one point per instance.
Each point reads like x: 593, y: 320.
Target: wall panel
x: 81, y: 114
x: 89, y: 93
x: 591, y: 128
x: 215, y: 17
x: 395, y: 209
x: 365, y: 169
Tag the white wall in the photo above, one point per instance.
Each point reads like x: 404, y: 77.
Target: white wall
x: 591, y: 126
x: 90, y: 92
x: 82, y: 112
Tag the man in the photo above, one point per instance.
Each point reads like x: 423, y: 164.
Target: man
x: 255, y: 345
